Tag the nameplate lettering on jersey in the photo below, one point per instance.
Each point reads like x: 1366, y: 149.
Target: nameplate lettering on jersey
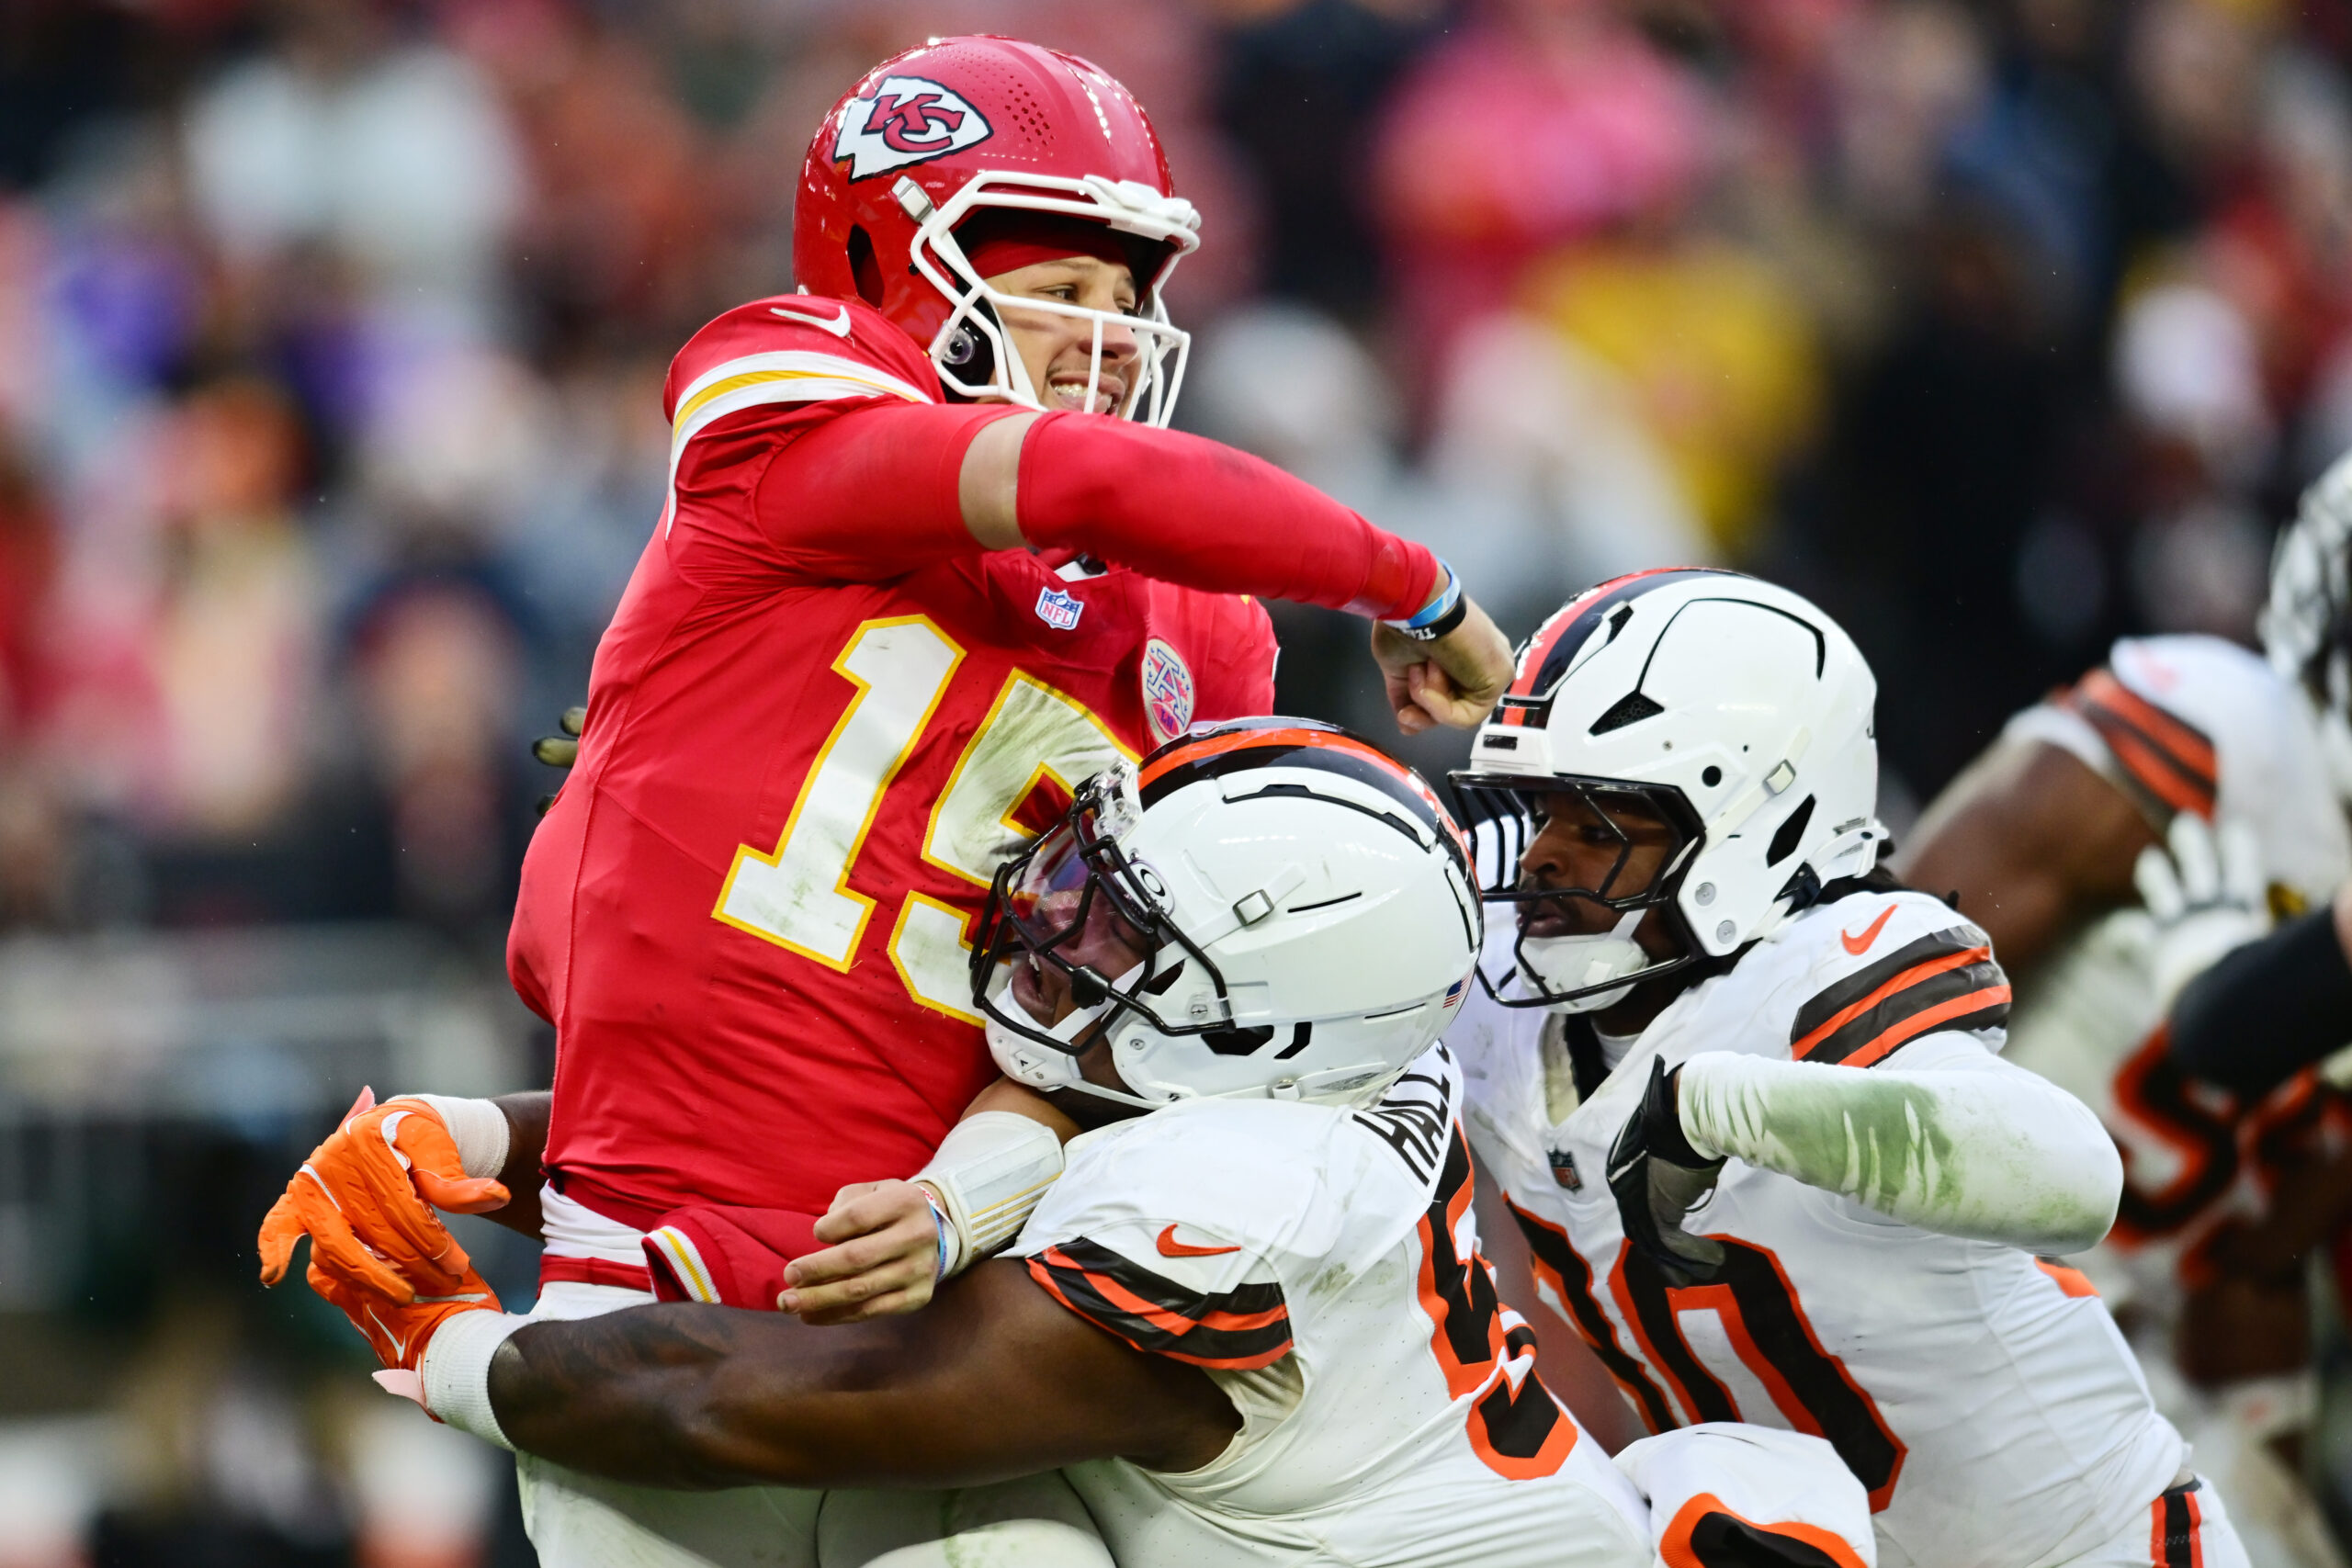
x: 1413, y: 1120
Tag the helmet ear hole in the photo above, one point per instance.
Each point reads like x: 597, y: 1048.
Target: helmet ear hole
x: 864, y: 268
x: 1237, y: 1042
x: 969, y: 354
x: 1784, y: 843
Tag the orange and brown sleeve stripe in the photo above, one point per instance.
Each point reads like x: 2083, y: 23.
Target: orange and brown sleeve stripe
x: 1948, y: 980
x: 2168, y: 763
x: 1705, y: 1534
x: 1235, y: 1330
x: 2176, y: 1528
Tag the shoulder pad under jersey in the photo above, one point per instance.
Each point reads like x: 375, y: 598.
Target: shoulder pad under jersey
x: 793, y: 348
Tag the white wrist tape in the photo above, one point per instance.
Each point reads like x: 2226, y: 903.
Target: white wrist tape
x: 454, y: 1370
x: 989, y: 1172
x: 477, y: 1126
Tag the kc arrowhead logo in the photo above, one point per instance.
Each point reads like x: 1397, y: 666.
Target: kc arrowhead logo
x: 908, y: 120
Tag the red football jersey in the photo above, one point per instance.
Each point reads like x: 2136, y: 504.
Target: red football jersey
x: 809, y: 742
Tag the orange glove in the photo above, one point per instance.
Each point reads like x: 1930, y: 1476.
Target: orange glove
x: 366, y: 1198
x: 398, y: 1328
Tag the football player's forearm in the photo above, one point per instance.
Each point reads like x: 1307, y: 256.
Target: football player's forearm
x: 624, y: 1395
x: 1988, y: 1152
x: 882, y: 490
x: 993, y: 1379
x: 526, y: 1143
x: 1202, y: 515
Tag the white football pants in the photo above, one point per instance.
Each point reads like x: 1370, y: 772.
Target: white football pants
x: 583, y: 1522
x: 2186, y: 1527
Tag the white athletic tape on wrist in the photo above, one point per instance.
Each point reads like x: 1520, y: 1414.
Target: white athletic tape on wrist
x: 454, y: 1370
x: 990, y: 1173
x: 477, y: 1126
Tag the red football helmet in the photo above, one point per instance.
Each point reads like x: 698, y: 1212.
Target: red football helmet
x: 930, y: 137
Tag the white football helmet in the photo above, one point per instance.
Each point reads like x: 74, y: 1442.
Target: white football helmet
x: 1301, y: 906
x: 2307, y: 623
x: 1732, y: 710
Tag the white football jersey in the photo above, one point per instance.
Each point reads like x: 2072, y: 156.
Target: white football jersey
x: 2179, y: 724
x: 1983, y: 1398
x: 1321, y: 1264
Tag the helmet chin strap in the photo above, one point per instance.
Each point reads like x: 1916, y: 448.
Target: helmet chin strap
x: 1571, y: 962
x: 1041, y: 1067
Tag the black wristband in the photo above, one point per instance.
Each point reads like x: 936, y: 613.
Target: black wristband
x: 2266, y: 1011
x: 1442, y: 624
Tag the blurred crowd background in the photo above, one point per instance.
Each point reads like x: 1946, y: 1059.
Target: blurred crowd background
x: 332, y: 337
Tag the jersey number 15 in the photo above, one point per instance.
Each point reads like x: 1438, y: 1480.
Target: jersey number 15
x: 798, y: 896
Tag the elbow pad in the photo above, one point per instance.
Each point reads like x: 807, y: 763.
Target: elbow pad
x: 991, y: 1171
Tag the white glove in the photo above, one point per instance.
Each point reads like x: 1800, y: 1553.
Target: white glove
x: 2207, y: 896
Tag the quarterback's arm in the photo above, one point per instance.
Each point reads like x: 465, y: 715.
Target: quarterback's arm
x: 883, y: 490
x: 994, y: 1380
x: 2032, y: 840
x: 2266, y: 1011
x: 1942, y: 1135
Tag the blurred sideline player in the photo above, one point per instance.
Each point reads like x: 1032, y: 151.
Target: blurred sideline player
x: 909, y: 585
x: 1744, y: 1096
x: 2224, y: 1195
x: 1251, y: 1317
x: 2275, y: 1005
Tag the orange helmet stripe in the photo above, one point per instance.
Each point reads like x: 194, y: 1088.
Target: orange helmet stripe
x: 1241, y: 740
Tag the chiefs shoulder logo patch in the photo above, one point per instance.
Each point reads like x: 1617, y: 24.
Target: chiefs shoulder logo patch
x: 908, y: 120
x: 1167, y: 691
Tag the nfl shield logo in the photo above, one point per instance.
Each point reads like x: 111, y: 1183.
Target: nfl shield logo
x: 1564, y: 1170
x: 1058, y: 609
x: 1167, y: 691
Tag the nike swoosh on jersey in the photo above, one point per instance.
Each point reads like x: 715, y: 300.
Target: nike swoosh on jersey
x: 1857, y: 946
x: 837, y: 325
x: 1171, y: 1247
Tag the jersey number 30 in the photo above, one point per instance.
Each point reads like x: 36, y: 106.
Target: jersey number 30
x: 1809, y: 1387
x: 799, y: 897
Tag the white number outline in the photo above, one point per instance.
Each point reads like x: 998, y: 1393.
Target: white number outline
x: 808, y: 786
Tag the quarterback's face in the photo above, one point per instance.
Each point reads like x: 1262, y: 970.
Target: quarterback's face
x: 1102, y: 943
x: 1058, y: 350
x: 1613, y: 849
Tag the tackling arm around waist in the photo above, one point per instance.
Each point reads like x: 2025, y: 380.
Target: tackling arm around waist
x: 1943, y: 1135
